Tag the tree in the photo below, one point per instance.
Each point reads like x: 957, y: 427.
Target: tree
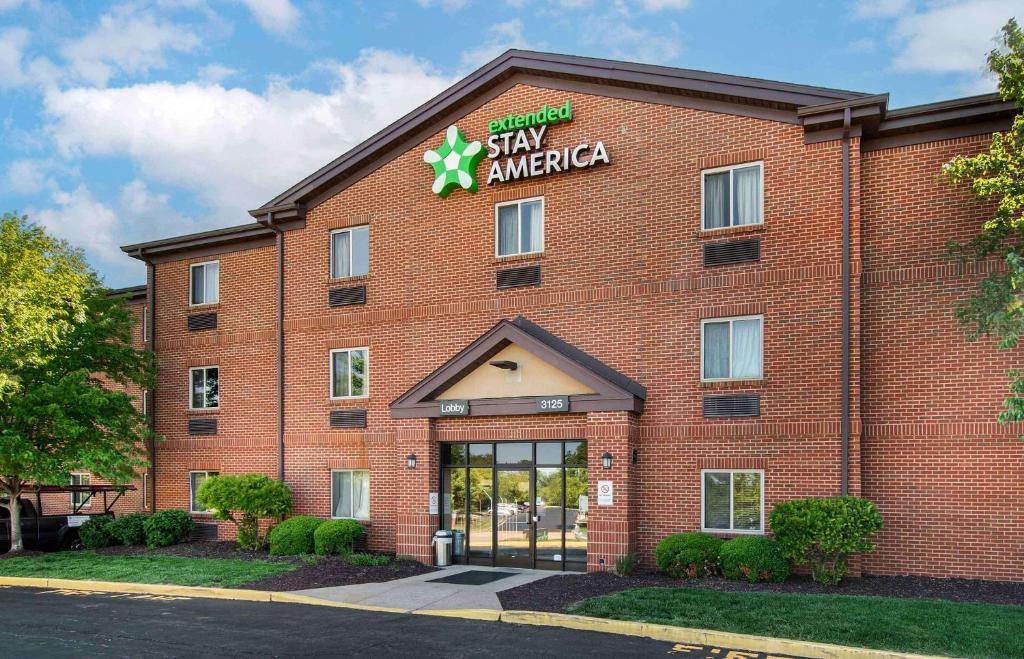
x: 251, y: 497
x: 61, y: 412
x: 996, y: 308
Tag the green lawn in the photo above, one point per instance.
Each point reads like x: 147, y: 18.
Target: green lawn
x: 176, y: 570
x: 908, y: 625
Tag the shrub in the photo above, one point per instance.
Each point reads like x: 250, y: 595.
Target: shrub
x: 688, y: 554
x: 337, y: 536
x: 168, y: 527
x: 95, y: 533
x: 626, y: 565
x: 365, y: 559
x: 294, y: 536
x: 244, y: 500
x: 130, y: 529
x: 824, y: 532
x: 753, y: 558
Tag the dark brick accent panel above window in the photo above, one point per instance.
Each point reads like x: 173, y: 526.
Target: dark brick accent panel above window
x: 202, y: 321
x: 342, y: 297
x: 204, y: 426
x: 348, y: 418
x: 734, y: 251
x: 729, y: 405
x: 517, y: 277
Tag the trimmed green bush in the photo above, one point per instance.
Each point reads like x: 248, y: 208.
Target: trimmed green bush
x: 244, y: 500
x: 337, y: 536
x: 168, y: 527
x: 130, y: 529
x: 95, y: 533
x: 294, y: 536
x: 824, y: 532
x: 753, y: 558
x: 688, y: 554
x: 368, y: 560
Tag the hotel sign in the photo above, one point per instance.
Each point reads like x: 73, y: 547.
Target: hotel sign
x: 516, y: 148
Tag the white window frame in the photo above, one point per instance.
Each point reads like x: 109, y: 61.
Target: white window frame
x: 190, y: 392
x: 192, y: 494
x: 351, y: 243
x: 145, y: 310
x: 366, y: 375
x: 730, y: 320
x: 145, y: 490
x: 730, y: 168
x: 732, y: 502
x: 351, y: 481
x: 519, y: 221
x: 191, y: 270
x: 88, y: 501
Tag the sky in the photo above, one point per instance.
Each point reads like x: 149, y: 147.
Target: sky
x: 131, y: 121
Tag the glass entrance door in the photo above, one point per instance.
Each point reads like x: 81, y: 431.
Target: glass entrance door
x: 517, y: 504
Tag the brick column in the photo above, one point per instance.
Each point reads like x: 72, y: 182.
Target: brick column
x: 414, y: 525
x: 611, y: 529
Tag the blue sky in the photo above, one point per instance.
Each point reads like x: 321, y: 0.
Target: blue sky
x: 131, y: 121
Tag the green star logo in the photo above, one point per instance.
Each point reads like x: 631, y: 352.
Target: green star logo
x: 454, y: 163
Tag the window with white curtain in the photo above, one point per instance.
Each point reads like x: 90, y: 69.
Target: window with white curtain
x: 80, y: 499
x: 350, y: 252
x: 519, y: 227
x: 350, y: 494
x: 731, y: 348
x: 348, y: 373
x: 205, y: 388
x: 732, y: 500
x: 732, y: 196
x: 204, y: 283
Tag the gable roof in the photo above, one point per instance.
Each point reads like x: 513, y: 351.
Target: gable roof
x: 614, y: 391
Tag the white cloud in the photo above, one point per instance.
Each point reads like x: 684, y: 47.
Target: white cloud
x: 661, y: 5
x: 446, y: 5
x: 27, y: 177
x: 12, y: 50
x: 84, y: 221
x: 951, y: 36
x: 880, y: 8
x: 274, y: 15
x: 500, y: 37
x: 234, y: 149
x: 127, y: 40
x: 617, y: 39
x: 216, y: 73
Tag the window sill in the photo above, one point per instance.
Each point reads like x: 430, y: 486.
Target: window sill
x: 204, y: 412
x: 708, y: 234
x: 734, y: 384
x: 730, y: 534
x: 518, y: 258
x: 355, y: 279
x: 342, y: 402
x: 364, y: 522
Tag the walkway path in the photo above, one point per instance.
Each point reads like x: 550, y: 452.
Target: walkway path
x: 421, y: 592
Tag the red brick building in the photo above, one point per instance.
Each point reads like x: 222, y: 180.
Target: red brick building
x: 614, y: 302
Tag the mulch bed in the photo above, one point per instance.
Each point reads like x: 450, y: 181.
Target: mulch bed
x: 560, y: 592
x: 315, y: 572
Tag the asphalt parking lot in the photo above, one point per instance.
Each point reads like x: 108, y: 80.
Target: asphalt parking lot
x: 58, y: 623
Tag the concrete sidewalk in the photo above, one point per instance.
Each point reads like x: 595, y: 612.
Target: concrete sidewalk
x: 418, y: 594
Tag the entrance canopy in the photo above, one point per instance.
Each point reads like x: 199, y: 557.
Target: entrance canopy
x: 517, y: 367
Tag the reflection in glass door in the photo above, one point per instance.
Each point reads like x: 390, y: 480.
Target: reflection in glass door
x: 514, y: 523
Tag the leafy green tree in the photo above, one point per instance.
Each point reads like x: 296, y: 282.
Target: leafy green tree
x: 61, y: 412
x: 996, y: 177
x: 244, y: 500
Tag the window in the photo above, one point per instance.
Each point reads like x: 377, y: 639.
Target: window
x: 145, y: 490
x: 204, y: 283
x: 348, y: 373
x: 519, y: 227
x: 732, y: 196
x: 731, y: 348
x: 732, y: 500
x: 195, y: 479
x: 350, y: 494
x: 80, y: 499
x: 205, y: 394
x: 350, y: 252
x: 145, y: 324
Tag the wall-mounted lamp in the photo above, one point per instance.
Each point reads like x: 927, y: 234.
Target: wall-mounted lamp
x: 606, y: 460
x: 636, y: 456
x: 506, y: 364
x: 410, y: 461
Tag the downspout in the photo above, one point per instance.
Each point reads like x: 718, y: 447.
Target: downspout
x: 151, y: 402
x: 269, y: 223
x: 845, y: 375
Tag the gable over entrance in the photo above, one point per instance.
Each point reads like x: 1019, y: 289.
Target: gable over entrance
x: 517, y: 367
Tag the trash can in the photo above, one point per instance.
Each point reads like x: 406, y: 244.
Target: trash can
x: 443, y: 545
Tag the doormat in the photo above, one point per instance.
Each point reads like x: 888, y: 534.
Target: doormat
x: 473, y: 577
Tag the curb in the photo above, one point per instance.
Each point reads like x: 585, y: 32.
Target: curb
x: 765, y: 644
